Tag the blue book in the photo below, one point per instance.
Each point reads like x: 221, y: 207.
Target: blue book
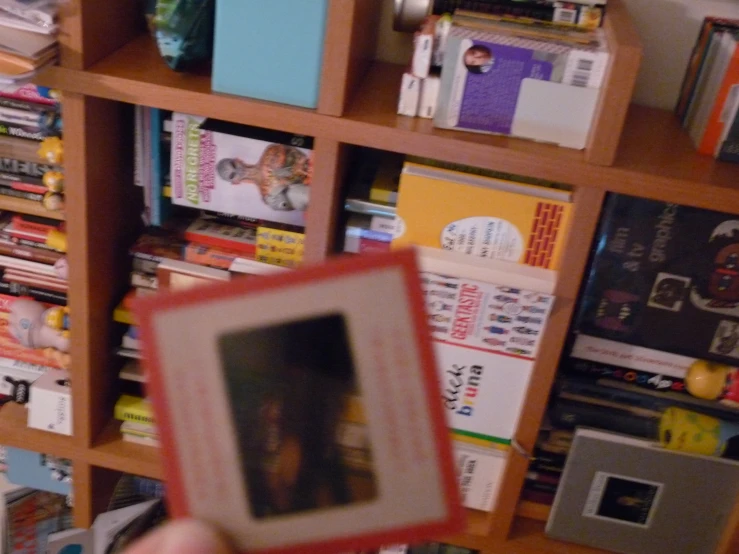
x: 160, y: 206
x: 37, y: 471
x: 270, y: 50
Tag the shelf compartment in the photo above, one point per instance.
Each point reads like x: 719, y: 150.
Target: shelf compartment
x: 14, y: 432
x: 29, y: 207
x: 112, y: 452
x: 655, y: 158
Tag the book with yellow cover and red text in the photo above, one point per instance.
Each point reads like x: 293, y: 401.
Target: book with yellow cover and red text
x: 482, y: 216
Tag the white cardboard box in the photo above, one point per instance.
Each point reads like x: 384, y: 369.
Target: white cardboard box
x: 50, y: 405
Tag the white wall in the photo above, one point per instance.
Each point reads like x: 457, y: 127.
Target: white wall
x: 668, y: 29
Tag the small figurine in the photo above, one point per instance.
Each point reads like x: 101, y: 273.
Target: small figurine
x: 509, y: 290
x: 522, y: 341
x: 713, y: 381
x: 53, y: 201
x: 51, y: 150
x: 496, y: 330
x: 526, y: 330
x: 493, y: 341
x: 504, y: 298
x: 27, y: 324
x: 518, y: 351
x: 54, y: 181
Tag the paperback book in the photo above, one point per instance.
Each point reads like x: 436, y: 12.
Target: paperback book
x: 240, y: 170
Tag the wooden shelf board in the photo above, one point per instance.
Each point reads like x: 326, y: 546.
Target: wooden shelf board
x: 112, y: 452
x: 136, y: 74
x: 24, y: 206
x: 14, y: 432
x: 656, y: 158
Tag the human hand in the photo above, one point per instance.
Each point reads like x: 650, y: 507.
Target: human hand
x: 182, y: 537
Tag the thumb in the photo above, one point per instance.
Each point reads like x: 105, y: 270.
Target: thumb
x: 182, y: 537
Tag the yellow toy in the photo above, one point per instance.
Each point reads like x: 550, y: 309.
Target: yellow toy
x: 53, y: 201
x: 713, y: 381
x: 54, y: 181
x: 52, y: 150
x: 57, y: 318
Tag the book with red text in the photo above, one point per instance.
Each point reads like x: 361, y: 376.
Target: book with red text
x: 272, y: 363
x: 486, y: 337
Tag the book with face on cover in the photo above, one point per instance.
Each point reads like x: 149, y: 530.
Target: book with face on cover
x: 254, y: 382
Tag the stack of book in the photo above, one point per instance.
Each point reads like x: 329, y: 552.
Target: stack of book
x: 492, y: 72
x: 30, y: 169
x: 137, y: 420
x: 655, y: 341
x: 27, y: 39
x: 34, y: 336
x: 487, y: 246
x: 220, y: 200
x: 708, y: 104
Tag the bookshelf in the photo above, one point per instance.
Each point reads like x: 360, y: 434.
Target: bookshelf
x: 108, y: 63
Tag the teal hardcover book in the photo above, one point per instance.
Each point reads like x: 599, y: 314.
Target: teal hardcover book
x: 270, y: 50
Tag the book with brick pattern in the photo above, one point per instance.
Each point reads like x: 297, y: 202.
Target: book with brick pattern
x: 481, y: 216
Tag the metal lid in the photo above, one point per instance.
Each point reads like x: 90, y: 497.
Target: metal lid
x: 409, y: 14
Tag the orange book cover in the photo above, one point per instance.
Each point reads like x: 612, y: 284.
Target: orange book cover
x: 481, y: 216
x: 720, y: 113
x: 269, y: 363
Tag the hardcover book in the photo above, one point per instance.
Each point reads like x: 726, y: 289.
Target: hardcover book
x: 274, y: 361
x: 240, y: 170
x: 629, y: 495
x: 663, y: 288
x: 481, y: 216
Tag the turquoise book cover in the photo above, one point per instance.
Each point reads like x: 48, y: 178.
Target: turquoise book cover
x: 270, y: 50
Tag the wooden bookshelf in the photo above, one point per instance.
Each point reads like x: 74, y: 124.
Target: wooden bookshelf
x: 108, y: 63
x: 29, y: 207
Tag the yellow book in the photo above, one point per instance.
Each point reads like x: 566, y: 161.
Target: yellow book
x: 123, y: 315
x: 134, y: 409
x: 482, y: 216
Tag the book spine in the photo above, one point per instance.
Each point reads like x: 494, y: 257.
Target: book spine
x: 133, y: 414
x: 29, y: 92
x: 13, y: 165
x: 28, y: 253
x: 32, y: 224
x: 226, y: 237
x: 15, y: 193
x: 24, y: 105
x: 144, y: 280
x: 22, y: 183
x: 37, y: 293
x: 569, y: 415
x: 596, y: 370
x: 18, y: 149
x: 9, y: 236
x: 369, y: 234
x: 25, y: 132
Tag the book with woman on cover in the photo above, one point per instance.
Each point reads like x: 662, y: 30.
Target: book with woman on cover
x: 306, y: 437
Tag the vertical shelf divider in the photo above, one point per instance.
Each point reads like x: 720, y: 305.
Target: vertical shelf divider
x: 587, y: 206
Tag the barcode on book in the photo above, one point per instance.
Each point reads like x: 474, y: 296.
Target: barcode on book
x: 564, y: 15
x: 581, y: 76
